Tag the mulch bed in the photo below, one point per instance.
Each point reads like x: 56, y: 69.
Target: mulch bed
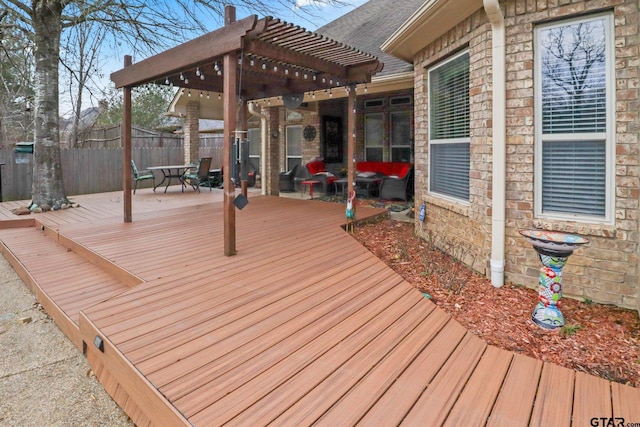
x: 598, y: 339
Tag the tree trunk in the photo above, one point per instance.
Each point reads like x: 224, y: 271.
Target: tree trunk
x: 47, y: 185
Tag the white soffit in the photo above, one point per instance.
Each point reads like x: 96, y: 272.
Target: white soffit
x: 434, y: 18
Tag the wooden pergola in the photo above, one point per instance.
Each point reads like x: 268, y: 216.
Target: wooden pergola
x: 247, y: 59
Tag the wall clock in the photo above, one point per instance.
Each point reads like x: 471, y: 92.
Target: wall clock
x: 309, y: 133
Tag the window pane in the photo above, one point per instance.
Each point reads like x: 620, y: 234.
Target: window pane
x: 374, y: 154
x: 400, y: 154
x: 573, y: 65
x: 401, y: 129
x: 373, y: 128
x: 574, y: 177
x: 294, y: 141
x: 449, y: 172
x: 253, y: 135
x: 449, y: 99
x: 291, y: 162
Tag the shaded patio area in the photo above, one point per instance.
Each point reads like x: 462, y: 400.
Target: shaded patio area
x: 302, y: 326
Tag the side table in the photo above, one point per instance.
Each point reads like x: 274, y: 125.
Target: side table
x: 310, y: 183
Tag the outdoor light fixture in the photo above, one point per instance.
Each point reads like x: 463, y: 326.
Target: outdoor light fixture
x: 99, y: 343
x: 292, y: 100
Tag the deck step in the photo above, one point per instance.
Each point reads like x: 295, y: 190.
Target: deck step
x: 63, y: 281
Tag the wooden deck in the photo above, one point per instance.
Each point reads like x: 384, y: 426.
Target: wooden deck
x: 303, y: 326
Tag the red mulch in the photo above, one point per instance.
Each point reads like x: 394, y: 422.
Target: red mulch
x: 602, y: 340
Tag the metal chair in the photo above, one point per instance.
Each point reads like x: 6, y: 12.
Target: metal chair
x: 141, y: 175
x: 201, y: 174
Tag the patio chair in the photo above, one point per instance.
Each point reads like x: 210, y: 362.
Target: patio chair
x: 286, y: 180
x: 200, y: 175
x: 141, y: 175
x: 397, y: 188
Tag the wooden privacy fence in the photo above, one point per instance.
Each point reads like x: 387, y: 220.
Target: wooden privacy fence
x: 90, y: 170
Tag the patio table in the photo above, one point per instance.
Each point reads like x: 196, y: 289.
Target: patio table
x: 369, y: 185
x: 169, y: 172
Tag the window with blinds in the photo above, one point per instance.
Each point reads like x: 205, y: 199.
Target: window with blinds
x: 573, y: 125
x: 449, y: 128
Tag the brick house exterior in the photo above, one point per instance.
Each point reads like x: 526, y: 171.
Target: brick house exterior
x: 607, y: 269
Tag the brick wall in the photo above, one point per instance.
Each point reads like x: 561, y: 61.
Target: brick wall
x: 605, y: 271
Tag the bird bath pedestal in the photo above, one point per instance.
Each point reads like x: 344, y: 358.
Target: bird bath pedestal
x: 553, y: 248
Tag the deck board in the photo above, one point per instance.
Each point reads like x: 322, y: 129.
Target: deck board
x: 302, y: 326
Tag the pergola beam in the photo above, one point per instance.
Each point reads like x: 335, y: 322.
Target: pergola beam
x: 186, y: 56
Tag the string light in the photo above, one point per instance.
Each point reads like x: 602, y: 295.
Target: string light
x: 166, y: 81
x: 201, y: 94
x: 186, y: 81
x: 198, y: 71
x: 207, y: 95
x: 189, y: 94
x: 218, y: 97
x: 181, y: 76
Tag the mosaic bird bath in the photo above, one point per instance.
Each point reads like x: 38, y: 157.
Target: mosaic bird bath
x: 553, y: 248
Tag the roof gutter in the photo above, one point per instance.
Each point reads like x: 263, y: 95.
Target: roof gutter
x: 492, y: 8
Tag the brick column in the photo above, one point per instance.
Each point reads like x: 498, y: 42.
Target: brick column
x: 192, y: 133
x: 273, y: 151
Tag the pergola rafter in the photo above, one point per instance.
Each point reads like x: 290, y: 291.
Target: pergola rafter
x: 250, y: 59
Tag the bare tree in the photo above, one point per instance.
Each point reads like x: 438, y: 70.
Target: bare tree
x: 80, y: 60
x: 145, y: 25
x: 16, y: 93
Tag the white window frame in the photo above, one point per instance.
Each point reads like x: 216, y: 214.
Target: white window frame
x: 608, y: 136
x: 288, y: 130
x: 432, y: 142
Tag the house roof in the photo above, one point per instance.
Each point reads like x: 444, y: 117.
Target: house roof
x: 276, y: 58
x: 431, y: 20
x: 369, y: 25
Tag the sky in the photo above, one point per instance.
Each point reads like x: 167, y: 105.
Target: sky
x: 322, y: 14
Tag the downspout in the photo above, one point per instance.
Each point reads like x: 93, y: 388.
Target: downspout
x: 263, y: 146
x: 492, y: 8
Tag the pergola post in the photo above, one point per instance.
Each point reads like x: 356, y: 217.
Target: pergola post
x: 125, y: 132
x: 229, y: 115
x: 351, y: 137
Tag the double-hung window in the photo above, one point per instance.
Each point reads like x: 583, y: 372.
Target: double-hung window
x: 574, y: 124
x: 449, y: 128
